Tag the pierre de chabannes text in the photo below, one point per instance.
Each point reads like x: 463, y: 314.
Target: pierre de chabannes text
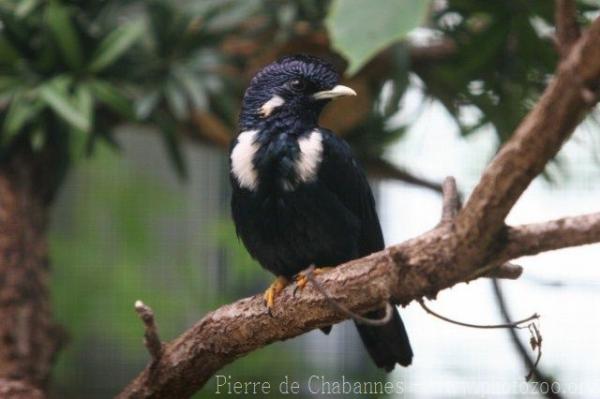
x: 315, y: 384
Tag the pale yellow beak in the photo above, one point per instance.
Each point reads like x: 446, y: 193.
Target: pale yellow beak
x: 337, y: 91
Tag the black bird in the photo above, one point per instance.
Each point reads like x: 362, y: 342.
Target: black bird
x: 299, y: 197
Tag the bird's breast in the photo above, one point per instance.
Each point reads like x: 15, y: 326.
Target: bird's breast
x: 276, y: 162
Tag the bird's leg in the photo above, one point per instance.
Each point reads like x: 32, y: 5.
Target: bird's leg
x: 301, y: 278
x: 274, y: 289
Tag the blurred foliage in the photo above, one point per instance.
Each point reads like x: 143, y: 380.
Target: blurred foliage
x: 504, y: 59
x: 70, y: 72
x: 502, y: 63
x: 107, y: 255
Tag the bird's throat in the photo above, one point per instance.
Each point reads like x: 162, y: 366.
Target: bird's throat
x: 276, y: 162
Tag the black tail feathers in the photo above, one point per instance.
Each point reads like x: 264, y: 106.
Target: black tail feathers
x: 386, y: 344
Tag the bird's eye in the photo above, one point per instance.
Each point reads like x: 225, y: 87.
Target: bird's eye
x: 298, y: 84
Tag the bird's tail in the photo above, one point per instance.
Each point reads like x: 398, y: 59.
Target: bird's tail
x: 386, y: 344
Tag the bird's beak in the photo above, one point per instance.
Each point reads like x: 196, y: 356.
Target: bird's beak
x: 337, y: 91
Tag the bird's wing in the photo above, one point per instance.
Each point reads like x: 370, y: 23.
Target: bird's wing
x: 342, y: 175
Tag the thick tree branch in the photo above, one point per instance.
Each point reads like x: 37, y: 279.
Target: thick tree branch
x: 537, y: 140
x: 361, y: 285
x: 421, y: 267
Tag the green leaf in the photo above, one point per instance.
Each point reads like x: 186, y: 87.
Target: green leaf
x: 61, y: 25
x: 55, y: 93
x: 37, y: 139
x: 193, y: 86
x: 360, y: 29
x: 8, y: 84
x: 111, y: 96
x: 8, y: 54
x: 21, y: 110
x: 172, y: 145
x: 146, y: 105
x: 85, y: 102
x: 176, y: 98
x: 116, y: 44
x: 25, y: 7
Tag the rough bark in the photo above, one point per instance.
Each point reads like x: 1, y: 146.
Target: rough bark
x: 29, y: 338
x: 19, y: 389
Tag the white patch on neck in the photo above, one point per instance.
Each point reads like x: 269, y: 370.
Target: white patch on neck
x: 268, y: 107
x: 311, y: 155
x: 242, y: 156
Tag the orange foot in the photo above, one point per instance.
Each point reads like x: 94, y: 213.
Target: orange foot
x: 301, y: 278
x: 274, y: 289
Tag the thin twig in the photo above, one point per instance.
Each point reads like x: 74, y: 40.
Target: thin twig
x: 534, y: 372
x: 536, y: 343
x: 338, y: 306
x: 382, y: 169
x: 567, y: 28
x: 516, y: 324
x: 151, y: 338
x: 508, y: 271
x: 535, y: 340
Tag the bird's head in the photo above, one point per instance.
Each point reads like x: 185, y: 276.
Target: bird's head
x: 290, y: 93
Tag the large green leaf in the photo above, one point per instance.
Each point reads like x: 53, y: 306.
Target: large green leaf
x: 360, y: 29
x: 56, y: 94
x: 116, y: 44
x: 65, y: 34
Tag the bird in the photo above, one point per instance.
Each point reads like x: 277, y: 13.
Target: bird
x: 299, y: 196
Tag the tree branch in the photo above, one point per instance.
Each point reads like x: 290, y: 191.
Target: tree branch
x: 360, y: 285
x: 19, y: 389
x: 450, y: 201
x: 151, y: 338
x: 382, y: 169
x: 537, y: 140
x: 567, y: 29
x: 540, y: 237
x: 421, y: 267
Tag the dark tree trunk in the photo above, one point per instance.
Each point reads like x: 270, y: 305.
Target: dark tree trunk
x: 29, y: 339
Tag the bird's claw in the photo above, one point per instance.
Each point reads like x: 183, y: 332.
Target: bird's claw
x: 301, y: 278
x: 271, y: 293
